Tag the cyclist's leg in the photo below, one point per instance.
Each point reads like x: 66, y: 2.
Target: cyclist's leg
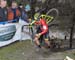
x: 46, y: 38
x: 36, y: 39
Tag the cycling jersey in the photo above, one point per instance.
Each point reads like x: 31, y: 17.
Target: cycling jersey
x: 44, y: 26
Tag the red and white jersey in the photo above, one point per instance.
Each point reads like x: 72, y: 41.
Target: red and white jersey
x: 44, y: 26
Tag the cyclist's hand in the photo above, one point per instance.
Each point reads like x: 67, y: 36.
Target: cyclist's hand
x: 38, y: 35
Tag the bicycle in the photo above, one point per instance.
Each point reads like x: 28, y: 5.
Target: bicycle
x: 48, y: 17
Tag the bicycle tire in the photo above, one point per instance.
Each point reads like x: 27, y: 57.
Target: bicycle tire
x: 52, y: 11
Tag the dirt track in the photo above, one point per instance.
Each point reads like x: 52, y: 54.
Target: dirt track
x: 24, y: 50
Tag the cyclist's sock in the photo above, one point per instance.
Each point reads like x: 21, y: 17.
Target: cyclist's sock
x: 39, y: 46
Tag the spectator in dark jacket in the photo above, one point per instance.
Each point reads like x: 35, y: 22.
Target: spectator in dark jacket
x: 24, y: 15
x: 14, y: 13
x: 3, y: 10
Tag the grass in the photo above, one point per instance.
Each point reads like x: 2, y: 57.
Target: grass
x: 22, y: 50
x: 13, y: 50
x: 70, y: 53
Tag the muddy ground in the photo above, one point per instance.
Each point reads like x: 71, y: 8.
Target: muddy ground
x: 24, y: 50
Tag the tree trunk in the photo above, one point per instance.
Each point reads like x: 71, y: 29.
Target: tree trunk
x: 71, y: 35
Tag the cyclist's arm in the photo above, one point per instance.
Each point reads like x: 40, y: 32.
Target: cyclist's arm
x: 33, y: 22
x: 43, y: 32
x: 37, y: 22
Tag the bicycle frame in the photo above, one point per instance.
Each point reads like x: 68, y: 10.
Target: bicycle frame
x: 47, y: 18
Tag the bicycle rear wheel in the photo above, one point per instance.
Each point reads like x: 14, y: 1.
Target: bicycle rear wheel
x: 53, y: 12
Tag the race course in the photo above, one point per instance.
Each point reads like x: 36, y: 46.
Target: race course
x: 24, y: 50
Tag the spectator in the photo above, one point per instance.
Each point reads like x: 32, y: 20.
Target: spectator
x: 3, y: 10
x: 28, y: 10
x: 24, y: 15
x: 13, y: 12
x: 20, y: 7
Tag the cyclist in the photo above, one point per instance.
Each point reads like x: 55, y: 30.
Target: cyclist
x: 43, y: 31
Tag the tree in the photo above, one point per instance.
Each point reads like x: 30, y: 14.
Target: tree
x: 72, y: 28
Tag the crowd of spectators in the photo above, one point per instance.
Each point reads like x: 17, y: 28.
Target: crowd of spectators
x: 13, y: 12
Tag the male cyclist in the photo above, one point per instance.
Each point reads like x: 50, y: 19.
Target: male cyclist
x: 43, y: 27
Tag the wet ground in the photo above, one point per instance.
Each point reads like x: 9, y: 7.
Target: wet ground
x: 24, y: 50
